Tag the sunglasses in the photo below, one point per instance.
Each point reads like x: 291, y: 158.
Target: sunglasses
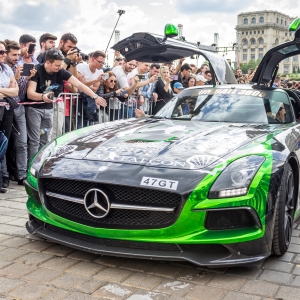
x: 115, y: 81
x: 2, y: 52
x: 100, y: 62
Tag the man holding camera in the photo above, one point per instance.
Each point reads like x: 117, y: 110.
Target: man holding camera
x: 46, y: 83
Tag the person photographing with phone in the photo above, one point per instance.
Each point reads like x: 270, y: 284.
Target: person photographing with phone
x: 49, y: 76
x: 27, y: 46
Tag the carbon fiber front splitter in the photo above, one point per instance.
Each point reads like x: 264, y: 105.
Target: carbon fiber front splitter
x: 213, y: 255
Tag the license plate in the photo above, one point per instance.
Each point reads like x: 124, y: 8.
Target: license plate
x: 160, y: 183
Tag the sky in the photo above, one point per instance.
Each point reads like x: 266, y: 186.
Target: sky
x: 92, y: 21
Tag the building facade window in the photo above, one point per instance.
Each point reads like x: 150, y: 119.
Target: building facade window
x: 252, y: 56
x: 261, y: 41
x: 242, y: 32
x: 254, y: 32
x: 253, y: 20
x: 286, y: 60
x: 246, y: 21
x: 252, y: 49
x: 246, y: 32
x: 260, y: 49
x: 262, y: 31
x: 281, y: 21
x: 285, y: 22
x: 245, y: 50
x: 277, y: 20
x: 250, y: 32
x: 258, y: 32
x: 286, y: 34
x: 260, y: 55
x: 244, y: 56
x: 295, y: 58
x: 245, y: 42
x: 252, y: 41
x: 261, y: 20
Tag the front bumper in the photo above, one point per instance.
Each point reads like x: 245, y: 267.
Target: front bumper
x: 212, y: 255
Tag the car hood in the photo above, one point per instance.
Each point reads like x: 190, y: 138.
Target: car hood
x: 162, y: 143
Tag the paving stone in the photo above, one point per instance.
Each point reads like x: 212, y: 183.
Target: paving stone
x: 195, y: 276
x: 287, y: 293
x: 114, y: 291
x: 165, y: 270
x: 79, y: 296
x: 42, y: 275
x: 59, y: 250
x: 213, y: 270
x: 169, y: 286
x: 11, y: 254
x: 138, y: 265
x: 6, y: 219
x: 37, y: 246
x: 257, y: 287
x: 82, y: 255
x: 296, y: 281
x: 295, y: 240
x: 16, y: 270
x: 296, y: 233
x: 246, y: 272
x: 240, y: 296
x: 109, y: 261
x: 18, y: 222
x: 4, y: 237
x: 4, y: 263
x: 69, y: 281
x: 296, y: 271
x: 59, y: 263
x: 15, y: 242
x: 275, y: 276
x: 273, y: 264
x: 56, y: 295
x: 143, y: 281
x: 91, y: 286
x: 7, y: 284
x: 206, y: 292
x: 297, y: 259
x: 30, y: 291
x: 147, y: 295
x: 113, y: 275
x: 11, y: 212
x: 34, y: 258
x: 20, y: 231
x: 227, y: 282
x: 287, y: 256
x: 85, y: 268
x: 2, y: 248
x: 294, y: 248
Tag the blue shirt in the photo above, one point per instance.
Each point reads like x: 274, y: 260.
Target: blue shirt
x: 21, y: 61
x: 146, y: 91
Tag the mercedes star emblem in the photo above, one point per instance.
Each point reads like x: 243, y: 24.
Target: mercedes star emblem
x: 96, y: 203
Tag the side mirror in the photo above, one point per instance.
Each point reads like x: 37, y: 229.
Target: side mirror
x: 170, y: 31
x: 295, y: 26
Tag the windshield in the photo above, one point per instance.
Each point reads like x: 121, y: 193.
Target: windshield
x: 215, y: 105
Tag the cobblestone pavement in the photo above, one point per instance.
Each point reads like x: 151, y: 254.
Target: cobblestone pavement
x: 31, y: 268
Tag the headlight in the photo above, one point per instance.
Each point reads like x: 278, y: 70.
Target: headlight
x: 40, y: 158
x: 236, y: 178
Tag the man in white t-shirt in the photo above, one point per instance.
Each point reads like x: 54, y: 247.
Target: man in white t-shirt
x: 92, y: 71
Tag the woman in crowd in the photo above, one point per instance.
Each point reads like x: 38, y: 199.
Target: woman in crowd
x: 190, y: 81
x: 8, y: 87
x: 108, y: 91
x: 163, y: 89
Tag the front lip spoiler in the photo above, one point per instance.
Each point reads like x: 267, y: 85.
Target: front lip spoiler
x: 215, y: 259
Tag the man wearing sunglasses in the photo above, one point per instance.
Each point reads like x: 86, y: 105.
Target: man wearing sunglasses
x: 92, y: 71
x: 46, y: 83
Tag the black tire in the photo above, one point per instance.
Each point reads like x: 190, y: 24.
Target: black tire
x: 284, y: 213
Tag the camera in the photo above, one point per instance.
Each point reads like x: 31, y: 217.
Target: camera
x: 84, y: 56
x: 141, y: 76
x: 50, y: 96
x: 77, y: 50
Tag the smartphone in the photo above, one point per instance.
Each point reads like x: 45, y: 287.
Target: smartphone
x: 141, y: 76
x: 123, y: 93
x: 27, y: 68
x: 174, y: 77
x: 31, y: 48
x: 106, y: 77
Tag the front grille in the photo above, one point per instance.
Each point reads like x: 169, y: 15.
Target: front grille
x: 117, y: 218
x: 228, y: 219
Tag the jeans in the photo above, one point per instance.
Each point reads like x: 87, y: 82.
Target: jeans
x: 127, y: 112
x: 19, y: 143
x: 37, y: 119
x: 6, y: 127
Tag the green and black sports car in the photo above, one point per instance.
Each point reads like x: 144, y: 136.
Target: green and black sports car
x: 213, y: 178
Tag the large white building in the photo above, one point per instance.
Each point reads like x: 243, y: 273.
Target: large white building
x: 259, y: 31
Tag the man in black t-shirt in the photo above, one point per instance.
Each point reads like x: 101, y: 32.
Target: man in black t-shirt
x: 46, y: 83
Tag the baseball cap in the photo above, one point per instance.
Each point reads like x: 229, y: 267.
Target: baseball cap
x: 178, y: 85
x: 200, y: 78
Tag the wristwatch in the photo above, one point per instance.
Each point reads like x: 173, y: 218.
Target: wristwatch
x: 95, y: 96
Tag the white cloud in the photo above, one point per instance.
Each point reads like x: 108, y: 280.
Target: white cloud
x: 156, y: 4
